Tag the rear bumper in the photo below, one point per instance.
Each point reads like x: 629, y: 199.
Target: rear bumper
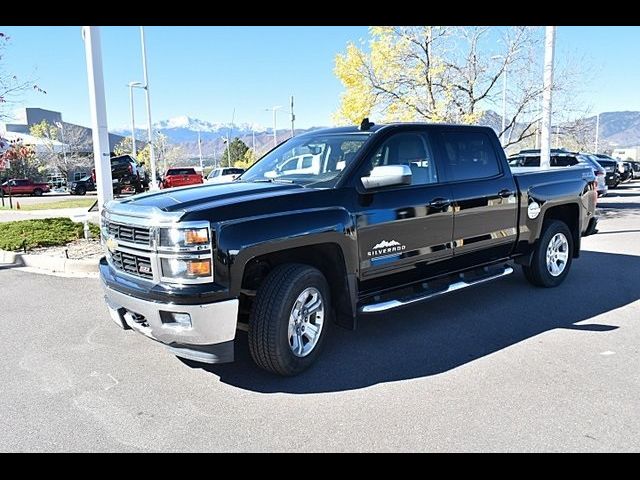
x: 208, y: 338
x: 591, y: 227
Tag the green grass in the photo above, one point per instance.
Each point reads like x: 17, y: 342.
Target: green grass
x: 54, y: 205
x: 48, y: 232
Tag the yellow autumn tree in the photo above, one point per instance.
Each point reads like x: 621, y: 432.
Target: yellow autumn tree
x: 444, y: 74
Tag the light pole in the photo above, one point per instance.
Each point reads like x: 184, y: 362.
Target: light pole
x: 133, y: 85
x: 98, y: 108
x: 200, y: 151
x: 545, y: 137
x: 275, y: 135
x: 597, y: 131
x: 253, y: 138
x: 293, y: 119
x: 152, y: 156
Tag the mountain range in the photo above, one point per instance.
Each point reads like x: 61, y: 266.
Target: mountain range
x: 617, y: 129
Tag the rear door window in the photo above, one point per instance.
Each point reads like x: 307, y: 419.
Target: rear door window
x: 470, y: 155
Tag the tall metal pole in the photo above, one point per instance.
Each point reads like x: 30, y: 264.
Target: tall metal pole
x: 97, y: 105
x: 275, y: 135
x: 275, y: 127
x: 152, y: 156
x: 504, y: 105
x: 597, y: 131
x: 293, y: 119
x: 545, y: 143
x: 134, y: 152
x: 200, y: 151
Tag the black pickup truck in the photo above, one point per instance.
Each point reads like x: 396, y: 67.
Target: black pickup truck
x: 367, y: 220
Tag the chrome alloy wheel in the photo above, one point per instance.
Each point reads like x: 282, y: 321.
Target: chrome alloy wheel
x: 305, y: 322
x: 557, y: 254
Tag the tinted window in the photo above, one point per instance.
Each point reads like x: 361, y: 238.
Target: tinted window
x: 470, y: 155
x: 237, y: 171
x: 411, y: 149
x: 290, y: 165
x: 563, y: 161
x: 307, y: 162
x: 181, y: 171
x: 533, y: 161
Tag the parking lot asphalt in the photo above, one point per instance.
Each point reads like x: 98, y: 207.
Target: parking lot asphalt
x: 499, y: 367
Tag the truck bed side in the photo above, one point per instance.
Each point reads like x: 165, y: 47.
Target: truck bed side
x: 555, y: 193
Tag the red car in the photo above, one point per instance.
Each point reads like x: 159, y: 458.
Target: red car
x: 179, y: 177
x: 24, y: 186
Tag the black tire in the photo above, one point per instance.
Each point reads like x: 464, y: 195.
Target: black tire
x: 117, y: 191
x: 538, y: 274
x: 37, y: 192
x: 81, y: 191
x: 269, y: 320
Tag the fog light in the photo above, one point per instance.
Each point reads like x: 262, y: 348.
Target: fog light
x: 176, y: 319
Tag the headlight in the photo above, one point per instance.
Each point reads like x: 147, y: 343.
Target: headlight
x: 184, y: 269
x: 184, y: 237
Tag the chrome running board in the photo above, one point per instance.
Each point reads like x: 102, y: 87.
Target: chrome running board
x: 419, y: 297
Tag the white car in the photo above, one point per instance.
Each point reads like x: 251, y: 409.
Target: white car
x: 224, y: 175
x: 298, y: 165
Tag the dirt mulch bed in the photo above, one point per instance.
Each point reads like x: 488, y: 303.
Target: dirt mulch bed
x: 77, y: 249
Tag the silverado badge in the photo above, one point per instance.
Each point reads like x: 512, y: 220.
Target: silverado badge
x: 111, y: 244
x: 385, y: 247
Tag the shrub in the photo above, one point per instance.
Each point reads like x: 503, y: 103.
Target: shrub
x: 48, y: 232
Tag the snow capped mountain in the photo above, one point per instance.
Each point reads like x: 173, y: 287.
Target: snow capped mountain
x: 195, y: 124
x: 183, y: 128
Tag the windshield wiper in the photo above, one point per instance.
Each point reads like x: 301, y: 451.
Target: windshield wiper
x: 273, y: 180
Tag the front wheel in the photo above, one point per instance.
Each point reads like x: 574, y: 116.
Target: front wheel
x: 552, y: 256
x: 37, y: 192
x: 81, y: 191
x: 289, y: 319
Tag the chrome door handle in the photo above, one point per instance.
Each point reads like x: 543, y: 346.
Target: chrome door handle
x: 439, y: 203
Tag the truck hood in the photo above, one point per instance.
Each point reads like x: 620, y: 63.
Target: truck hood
x: 195, y: 197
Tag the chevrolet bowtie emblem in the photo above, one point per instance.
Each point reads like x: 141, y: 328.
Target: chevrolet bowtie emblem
x: 111, y: 244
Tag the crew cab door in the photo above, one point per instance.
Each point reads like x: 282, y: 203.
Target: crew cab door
x: 484, y: 194
x: 402, y: 226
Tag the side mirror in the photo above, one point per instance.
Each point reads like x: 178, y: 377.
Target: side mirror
x: 387, y: 176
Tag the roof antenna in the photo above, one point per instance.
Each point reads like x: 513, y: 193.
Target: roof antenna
x: 366, y: 124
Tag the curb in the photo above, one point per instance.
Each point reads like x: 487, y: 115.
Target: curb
x: 49, y: 264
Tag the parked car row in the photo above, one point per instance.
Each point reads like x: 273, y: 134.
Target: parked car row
x: 609, y: 171
x: 182, y: 176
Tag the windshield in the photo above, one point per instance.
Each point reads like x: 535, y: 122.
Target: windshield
x: 308, y: 159
x: 85, y: 179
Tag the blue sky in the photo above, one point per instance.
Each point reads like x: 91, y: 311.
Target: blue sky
x: 205, y: 72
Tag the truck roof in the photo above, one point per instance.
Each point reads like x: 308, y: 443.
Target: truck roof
x: 377, y: 127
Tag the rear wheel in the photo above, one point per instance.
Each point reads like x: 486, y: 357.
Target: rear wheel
x: 37, y: 192
x: 81, y: 191
x: 289, y: 319
x: 552, y: 256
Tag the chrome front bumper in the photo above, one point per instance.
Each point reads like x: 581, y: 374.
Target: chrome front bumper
x: 208, y: 339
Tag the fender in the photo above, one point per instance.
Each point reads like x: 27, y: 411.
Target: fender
x: 239, y: 241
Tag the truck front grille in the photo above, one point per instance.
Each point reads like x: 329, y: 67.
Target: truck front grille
x: 129, y: 233
x: 137, y: 265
